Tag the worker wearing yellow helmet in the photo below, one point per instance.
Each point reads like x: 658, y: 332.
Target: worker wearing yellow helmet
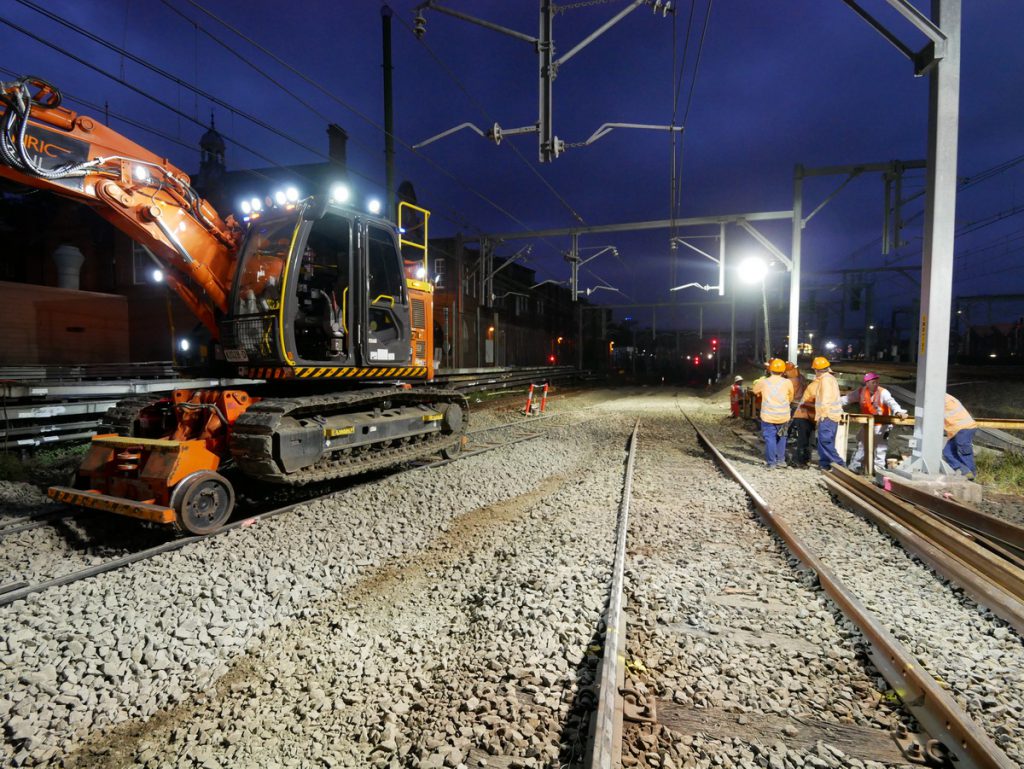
x: 824, y: 394
x: 776, y: 394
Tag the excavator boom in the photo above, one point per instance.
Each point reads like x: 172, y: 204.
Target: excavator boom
x: 46, y: 146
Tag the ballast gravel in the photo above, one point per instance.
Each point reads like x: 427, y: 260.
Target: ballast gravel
x: 126, y: 645
x: 979, y: 657
x: 450, y: 617
x: 721, y: 620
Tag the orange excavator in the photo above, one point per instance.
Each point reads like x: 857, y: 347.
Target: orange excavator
x: 311, y: 297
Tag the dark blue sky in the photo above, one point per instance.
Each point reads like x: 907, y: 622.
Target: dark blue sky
x: 780, y: 83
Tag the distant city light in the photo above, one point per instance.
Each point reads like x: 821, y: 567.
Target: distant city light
x: 830, y: 345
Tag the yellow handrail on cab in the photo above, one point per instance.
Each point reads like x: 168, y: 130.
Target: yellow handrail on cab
x: 402, y: 207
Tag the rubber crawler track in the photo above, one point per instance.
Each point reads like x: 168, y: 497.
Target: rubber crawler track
x: 252, y: 436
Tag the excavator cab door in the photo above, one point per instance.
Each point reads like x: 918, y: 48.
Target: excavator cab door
x: 385, y: 331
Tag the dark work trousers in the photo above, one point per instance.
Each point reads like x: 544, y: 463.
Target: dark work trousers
x: 774, y: 443
x: 827, y: 454
x: 800, y: 432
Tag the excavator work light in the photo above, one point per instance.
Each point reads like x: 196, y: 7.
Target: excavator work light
x: 340, y: 193
x: 373, y: 206
x: 257, y: 204
x: 292, y: 194
x: 280, y: 198
x: 246, y: 208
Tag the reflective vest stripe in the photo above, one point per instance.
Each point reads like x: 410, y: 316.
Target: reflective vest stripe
x: 828, y: 405
x: 774, y: 401
x: 956, y: 417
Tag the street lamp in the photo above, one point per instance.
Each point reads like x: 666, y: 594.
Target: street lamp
x: 752, y: 270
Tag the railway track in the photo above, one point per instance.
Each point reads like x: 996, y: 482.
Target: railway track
x: 16, y: 588
x: 624, y: 709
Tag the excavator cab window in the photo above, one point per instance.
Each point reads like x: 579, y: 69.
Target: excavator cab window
x: 262, y: 267
x: 322, y: 310
x: 386, y: 335
x: 386, y: 284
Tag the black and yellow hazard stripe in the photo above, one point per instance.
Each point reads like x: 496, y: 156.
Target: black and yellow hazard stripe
x: 336, y: 372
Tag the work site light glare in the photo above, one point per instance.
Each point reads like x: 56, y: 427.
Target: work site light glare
x: 157, y: 276
x: 257, y: 204
x: 141, y: 173
x: 184, y: 345
x: 280, y: 198
x: 421, y: 273
x: 340, y: 193
x: 373, y: 206
x: 292, y: 194
x: 246, y: 208
x: 753, y: 269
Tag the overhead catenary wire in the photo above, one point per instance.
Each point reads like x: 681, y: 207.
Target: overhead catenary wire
x: 689, y: 101
x: 358, y: 113
x: 213, y: 99
x: 458, y: 83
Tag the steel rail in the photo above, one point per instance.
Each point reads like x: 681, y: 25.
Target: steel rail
x: 606, y: 733
x: 20, y: 590
x: 1003, y: 531
x: 932, y: 706
x: 982, y: 576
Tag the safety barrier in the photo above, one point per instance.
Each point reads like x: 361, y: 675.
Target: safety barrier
x: 532, y: 408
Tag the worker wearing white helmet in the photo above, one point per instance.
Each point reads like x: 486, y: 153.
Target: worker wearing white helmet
x: 736, y: 396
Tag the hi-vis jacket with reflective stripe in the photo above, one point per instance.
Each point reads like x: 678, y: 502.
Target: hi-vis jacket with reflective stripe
x: 823, y: 392
x: 776, y: 394
x: 956, y: 417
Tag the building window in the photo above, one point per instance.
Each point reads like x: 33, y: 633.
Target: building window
x: 470, y: 283
x: 522, y: 305
x: 540, y: 307
x: 440, y: 273
x: 143, y: 265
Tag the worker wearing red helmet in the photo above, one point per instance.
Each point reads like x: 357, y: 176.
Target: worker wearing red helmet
x: 823, y: 394
x: 877, y: 400
x: 776, y: 394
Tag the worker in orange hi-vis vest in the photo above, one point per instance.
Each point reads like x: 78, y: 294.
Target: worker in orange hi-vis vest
x: 959, y: 427
x: 802, y: 425
x: 824, y: 394
x: 776, y: 394
x: 873, y: 399
x: 736, y: 396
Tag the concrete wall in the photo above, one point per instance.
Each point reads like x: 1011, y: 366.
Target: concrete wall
x: 41, y: 324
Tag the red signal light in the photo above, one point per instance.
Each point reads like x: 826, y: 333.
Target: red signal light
x: 551, y: 359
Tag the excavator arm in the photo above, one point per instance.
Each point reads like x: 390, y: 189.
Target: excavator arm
x: 46, y: 146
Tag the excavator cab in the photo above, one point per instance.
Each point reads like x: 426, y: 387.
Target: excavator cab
x: 324, y: 294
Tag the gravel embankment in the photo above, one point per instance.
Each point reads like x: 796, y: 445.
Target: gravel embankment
x: 722, y: 623
x: 300, y: 621
x: 978, y: 656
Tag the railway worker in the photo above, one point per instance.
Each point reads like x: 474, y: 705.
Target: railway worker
x: 736, y: 396
x: 823, y: 393
x: 802, y: 424
x: 873, y: 399
x: 960, y: 428
x: 776, y: 394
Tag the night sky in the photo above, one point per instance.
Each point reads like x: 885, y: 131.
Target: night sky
x: 778, y: 83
